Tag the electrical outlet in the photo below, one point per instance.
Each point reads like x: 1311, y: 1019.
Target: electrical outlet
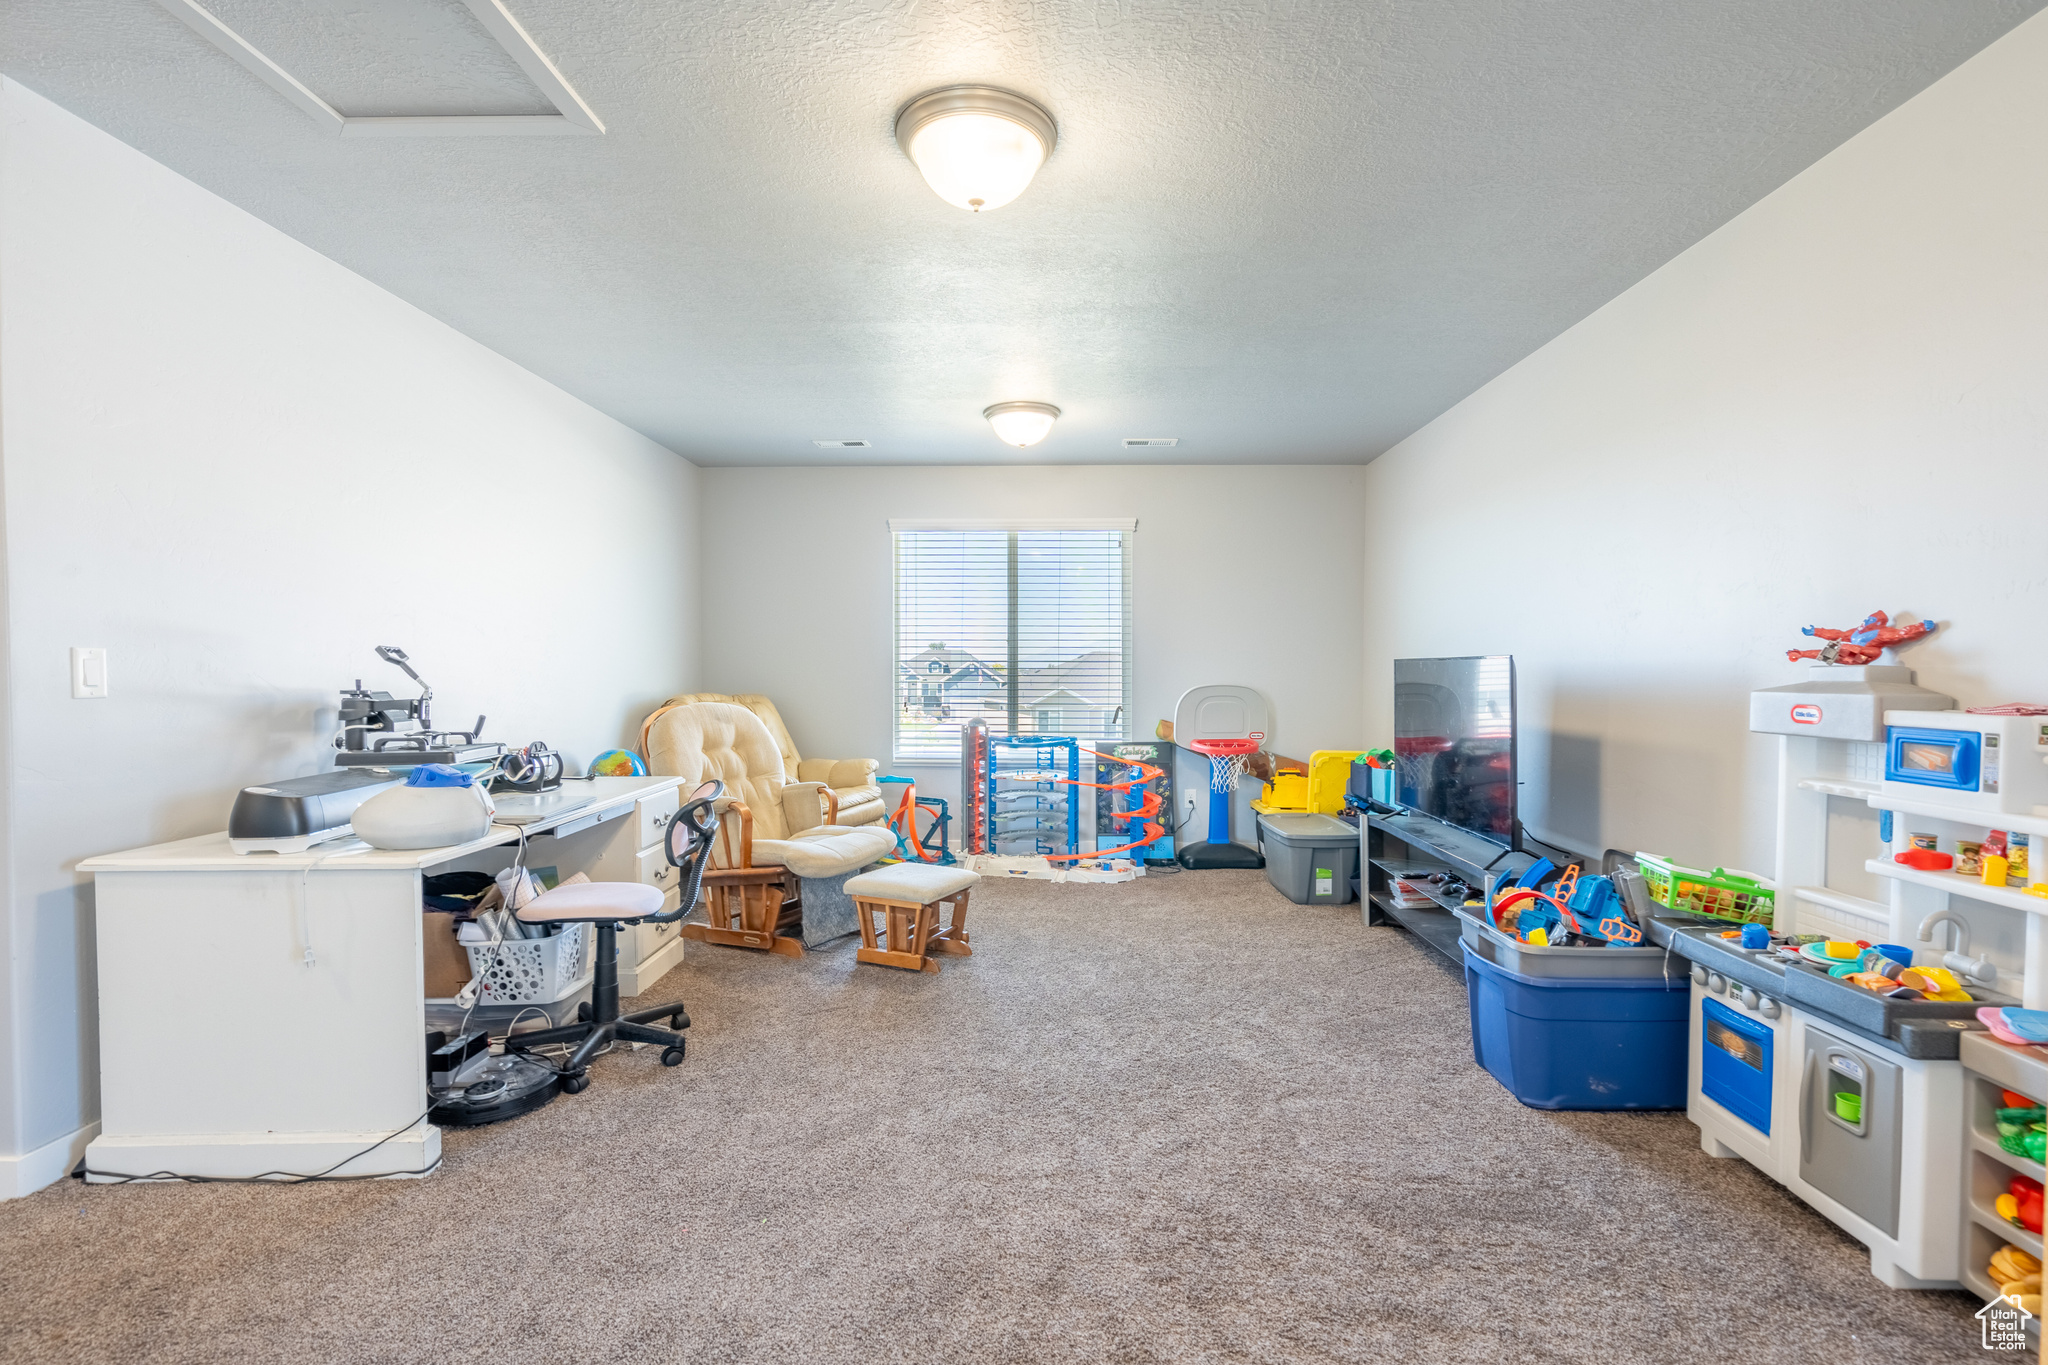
x: 88, y: 672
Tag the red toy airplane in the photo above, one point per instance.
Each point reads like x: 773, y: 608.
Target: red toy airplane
x: 1862, y: 645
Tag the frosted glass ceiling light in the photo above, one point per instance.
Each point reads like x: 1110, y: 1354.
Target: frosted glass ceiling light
x: 976, y: 146
x: 1021, y: 424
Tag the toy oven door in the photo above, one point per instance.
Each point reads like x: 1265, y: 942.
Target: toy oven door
x: 1949, y: 759
x: 1737, y: 1063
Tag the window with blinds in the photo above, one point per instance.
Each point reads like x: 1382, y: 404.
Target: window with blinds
x: 1026, y: 626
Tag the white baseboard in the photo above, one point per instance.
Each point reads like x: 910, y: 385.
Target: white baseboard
x: 638, y: 979
x: 244, y: 1156
x: 46, y: 1165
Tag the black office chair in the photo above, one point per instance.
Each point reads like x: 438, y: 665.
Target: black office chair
x: 609, y: 905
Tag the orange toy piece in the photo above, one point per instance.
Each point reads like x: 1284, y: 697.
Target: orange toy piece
x: 1513, y: 900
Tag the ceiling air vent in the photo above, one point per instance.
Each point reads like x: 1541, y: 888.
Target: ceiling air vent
x: 1148, y: 442
x: 844, y: 445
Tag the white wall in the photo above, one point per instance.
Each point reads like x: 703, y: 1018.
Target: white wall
x: 1239, y: 574
x: 1836, y: 403
x: 239, y: 468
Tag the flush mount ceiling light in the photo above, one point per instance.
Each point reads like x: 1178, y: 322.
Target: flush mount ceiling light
x: 1021, y: 424
x: 976, y: 146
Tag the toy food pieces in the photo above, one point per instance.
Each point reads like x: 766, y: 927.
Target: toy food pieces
x: 2009, y: 1263
x: 1832, y: 953
x: 2020, y: 1205
x: 1935, y: 983
x: 2017, y: 1276
x: 2023, y: 1130
x: 1926, y: 859
x: 1871, y: 981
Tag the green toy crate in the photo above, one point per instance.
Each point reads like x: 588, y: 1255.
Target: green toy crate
x: 1720, y: 893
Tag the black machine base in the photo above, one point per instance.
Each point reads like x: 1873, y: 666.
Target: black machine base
x: 1203, y: 857
x: 507, y: 1087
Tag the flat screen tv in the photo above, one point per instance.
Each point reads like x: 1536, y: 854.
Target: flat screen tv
x: 1454, y: 742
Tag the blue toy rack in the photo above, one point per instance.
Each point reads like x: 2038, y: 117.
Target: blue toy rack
x: 1034, y: 796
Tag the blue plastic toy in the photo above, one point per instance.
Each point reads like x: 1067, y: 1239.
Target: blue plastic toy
x: 1755, y: 937
x: 2031, y: 1025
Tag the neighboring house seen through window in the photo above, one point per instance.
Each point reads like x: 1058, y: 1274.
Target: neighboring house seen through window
x: 1027, y: 628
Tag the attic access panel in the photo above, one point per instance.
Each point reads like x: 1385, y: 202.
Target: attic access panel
x: 574, y: 118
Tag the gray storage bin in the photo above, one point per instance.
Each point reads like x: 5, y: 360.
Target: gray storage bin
x: 1510, y: 953
x: 1311, y: 859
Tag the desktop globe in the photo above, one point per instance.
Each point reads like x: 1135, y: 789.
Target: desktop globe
x: 617, y: 763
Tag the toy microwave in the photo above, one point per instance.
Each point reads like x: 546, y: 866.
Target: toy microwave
x: 1993, y: 765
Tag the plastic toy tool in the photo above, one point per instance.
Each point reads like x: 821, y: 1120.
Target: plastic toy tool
x: 1862, y: 645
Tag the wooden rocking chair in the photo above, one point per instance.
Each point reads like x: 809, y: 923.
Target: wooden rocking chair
x: 772, y: 832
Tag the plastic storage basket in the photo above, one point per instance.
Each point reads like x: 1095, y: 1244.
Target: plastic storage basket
x: 452, y: 1016
x: 1576, y: 1043
x: 532, y: 971
x: 1505, y: 950
x: 1720, y: 893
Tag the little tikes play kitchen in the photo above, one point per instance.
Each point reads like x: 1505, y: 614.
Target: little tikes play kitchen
x: 1830, y: 1053
x: 1881, y: 1051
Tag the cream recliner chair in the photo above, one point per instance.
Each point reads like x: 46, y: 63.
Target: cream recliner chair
x: 777, y: 865
x: 852, y: 780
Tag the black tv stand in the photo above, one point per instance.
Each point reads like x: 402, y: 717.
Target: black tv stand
x: 1410, y: 845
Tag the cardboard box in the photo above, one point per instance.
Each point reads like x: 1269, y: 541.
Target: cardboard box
x: 446, y: 962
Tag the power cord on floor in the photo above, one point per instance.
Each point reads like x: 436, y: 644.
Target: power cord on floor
x: 275, y: 1177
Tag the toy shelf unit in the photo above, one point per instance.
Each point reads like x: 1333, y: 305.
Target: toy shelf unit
x: 1990, y: 1067
x: 1033, y: 795
x: 1413, y: 847
x: 1850, y: 800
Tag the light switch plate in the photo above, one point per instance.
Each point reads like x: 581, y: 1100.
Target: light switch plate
x: 88, y: 672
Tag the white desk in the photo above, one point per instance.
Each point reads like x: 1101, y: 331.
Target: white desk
x: 264, y: 1012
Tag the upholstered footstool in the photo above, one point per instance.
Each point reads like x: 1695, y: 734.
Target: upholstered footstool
x: 898, y: 909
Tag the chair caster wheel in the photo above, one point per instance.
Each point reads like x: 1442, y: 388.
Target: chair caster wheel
x: 576, y: 1084
x: 583, y: 1012
x: 679, y: 1021
x: 672, y: 1056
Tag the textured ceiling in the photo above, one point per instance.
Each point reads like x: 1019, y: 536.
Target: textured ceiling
x: 1281, y: 230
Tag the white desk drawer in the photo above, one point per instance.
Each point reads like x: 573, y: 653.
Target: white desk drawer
x: 653, y: 867
x: 643, y: 941
x: 653, y: 814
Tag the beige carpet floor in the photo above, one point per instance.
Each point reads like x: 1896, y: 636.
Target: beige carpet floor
x: 1172, y: 1120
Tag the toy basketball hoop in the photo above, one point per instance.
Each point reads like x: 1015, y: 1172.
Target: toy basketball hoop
x: 1227, y: 758
x: 1228, y: 724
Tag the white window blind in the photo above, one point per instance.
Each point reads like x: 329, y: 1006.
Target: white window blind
x: 1026, y: 626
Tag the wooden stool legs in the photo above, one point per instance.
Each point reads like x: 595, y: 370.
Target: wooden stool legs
x: 906, y: 934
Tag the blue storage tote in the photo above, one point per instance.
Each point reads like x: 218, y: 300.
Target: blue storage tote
x: 1580, y: 1042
